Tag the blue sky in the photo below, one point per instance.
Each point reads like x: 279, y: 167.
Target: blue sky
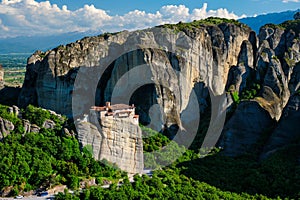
x: 37, y: 17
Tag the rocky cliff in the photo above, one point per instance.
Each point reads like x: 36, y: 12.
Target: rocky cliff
x: 276, y: 71
x: 207, y: 50
x: 225, y: 56
x: 117, y: 140
x: 6, y: 126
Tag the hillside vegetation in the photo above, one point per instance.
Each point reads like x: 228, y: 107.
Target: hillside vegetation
x: 48, y: 158
x: 211, y: 21
x: 287, y: 25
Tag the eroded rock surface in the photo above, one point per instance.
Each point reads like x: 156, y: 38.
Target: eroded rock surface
x: 276, y: 71
x: 226, y: 57
x: 5, y: 127
x: 245, y: 128
x: 287, y: 130
x: 118, y: 140
x: 180, y: 60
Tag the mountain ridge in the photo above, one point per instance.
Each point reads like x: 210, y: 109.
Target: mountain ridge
x: 269, y: 18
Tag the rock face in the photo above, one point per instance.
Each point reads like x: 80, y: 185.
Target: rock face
x: 276, y: 70
x: 257, y: 121
x: 49, y: 124
x: 287, y: 130
x: 5, y: 127
x: 1, y: 77
x: 15, y: 110
x: 208, y: 50
x: 88, y: 134
x: 297, y: 15
x: 227, y: 57
x: 122, y: 144
x: 118, y: 140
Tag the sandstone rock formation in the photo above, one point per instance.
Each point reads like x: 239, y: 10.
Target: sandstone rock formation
x: 5, y: 127
x: 15, y: 110
x: 275, y: 69
x: 287, y: 130
x: 88, y: 134
x: 49, y: 124
x: 249, y: 118
x: 118, y: 140
x: 208, y: 50
x: 227, y: 57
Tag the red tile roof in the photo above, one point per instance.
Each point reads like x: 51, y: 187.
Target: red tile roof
x: 120, y: 107
x: 112, y: 108
x: 97, y: 108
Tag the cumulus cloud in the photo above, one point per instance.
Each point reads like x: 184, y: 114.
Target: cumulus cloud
x: 286, y: 1
x: 3, y: 28
x: 29, y: 18
x: 221, y: 12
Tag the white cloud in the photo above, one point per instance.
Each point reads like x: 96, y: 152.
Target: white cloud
x: 2, y: 27
x: 7, y: 2
x: 221, y: 12
x: 173, y: 13
x: 29, y: 17
x: 286, y: 1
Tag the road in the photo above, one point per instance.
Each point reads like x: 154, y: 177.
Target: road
x: 148, y: 172
x: 29, y: 198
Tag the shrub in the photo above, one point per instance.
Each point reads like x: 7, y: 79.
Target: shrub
x: 235, y: 97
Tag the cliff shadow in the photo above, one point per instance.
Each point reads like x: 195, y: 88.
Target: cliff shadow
x: 245, y: 174
x: 9, y: 95
x: 149, y: 99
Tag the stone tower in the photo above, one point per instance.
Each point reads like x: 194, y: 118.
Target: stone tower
x: 113, y: 132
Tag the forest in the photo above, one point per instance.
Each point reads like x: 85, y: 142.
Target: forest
x: 51, y: 157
